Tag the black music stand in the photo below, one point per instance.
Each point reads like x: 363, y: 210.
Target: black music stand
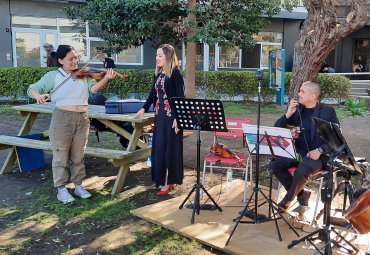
x: 274, y: 141
x: 199, y: 114
x: 337, y: 146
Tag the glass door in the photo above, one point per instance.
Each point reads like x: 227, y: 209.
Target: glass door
x: 28, y: 46
x: 361, y: 55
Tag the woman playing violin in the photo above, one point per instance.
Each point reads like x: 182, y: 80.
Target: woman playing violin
x: 69, y: 127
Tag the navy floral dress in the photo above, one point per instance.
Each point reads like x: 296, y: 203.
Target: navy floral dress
x: 167, y: 147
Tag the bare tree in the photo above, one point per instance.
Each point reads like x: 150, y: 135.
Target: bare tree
x: 319, y: 34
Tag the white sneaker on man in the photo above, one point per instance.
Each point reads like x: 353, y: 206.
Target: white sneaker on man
x: 64, y: 196
x: 81, y: 192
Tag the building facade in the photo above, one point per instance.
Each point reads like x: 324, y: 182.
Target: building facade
x: 25, y: 26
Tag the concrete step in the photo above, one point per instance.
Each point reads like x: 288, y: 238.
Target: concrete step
x: 361, y: 85
x: 359, y: 90
x: 358, y: 94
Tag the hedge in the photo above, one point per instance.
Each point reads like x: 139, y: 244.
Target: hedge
x: 212, y: 84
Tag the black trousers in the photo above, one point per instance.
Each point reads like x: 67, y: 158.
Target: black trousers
x: 294, y: 184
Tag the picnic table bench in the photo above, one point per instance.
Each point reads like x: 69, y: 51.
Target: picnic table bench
x: 136, y: 150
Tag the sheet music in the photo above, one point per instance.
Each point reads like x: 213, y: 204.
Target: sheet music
x: 281, y: 140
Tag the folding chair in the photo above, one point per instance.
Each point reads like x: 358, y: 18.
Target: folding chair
x: 213, y: 160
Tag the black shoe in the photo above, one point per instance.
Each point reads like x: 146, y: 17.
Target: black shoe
x: 304, y: 198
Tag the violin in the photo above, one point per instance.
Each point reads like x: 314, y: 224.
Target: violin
x: 95, y: 73
x: 296, y: 131
x: 225, y: 152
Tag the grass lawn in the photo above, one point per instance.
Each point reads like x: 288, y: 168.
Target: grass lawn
x: 65, y: 228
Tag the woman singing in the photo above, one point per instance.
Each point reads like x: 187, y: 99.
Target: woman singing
x: 167, y: 147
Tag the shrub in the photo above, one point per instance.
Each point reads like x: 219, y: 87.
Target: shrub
x: 334, y: 86
x: 212, y: 84
x: 356, y: 107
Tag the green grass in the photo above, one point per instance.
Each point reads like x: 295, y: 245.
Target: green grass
x: 99, y: 207
x: 6, y: 109
x: 42, y: 218
x: 243, y: 108
x: 6, y: 212
x: 341, y: 112
x: 157, y: 240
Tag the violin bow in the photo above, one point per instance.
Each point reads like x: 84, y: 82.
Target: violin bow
x: 70, y: 75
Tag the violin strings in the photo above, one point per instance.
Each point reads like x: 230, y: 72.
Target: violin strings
x: 70, y: 75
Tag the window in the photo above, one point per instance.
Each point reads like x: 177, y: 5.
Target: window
x: 257, y: 57
x: 199, y: 57
x: 361, y: 55
x: 268, y: 37
x: 82, y: 37
x: 299, y: 2
x: 265, y: 54
x: 74, y: 36
x: 34, y: 22
x: 229, y: 57
x: 131, y: 56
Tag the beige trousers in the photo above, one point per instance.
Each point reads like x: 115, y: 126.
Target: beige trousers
x: 68, y: 133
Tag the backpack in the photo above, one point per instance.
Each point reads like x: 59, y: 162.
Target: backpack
x: 99, y: 99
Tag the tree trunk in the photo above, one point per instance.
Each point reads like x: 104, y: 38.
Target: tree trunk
x: 320, y: 33
x: 190, y: 54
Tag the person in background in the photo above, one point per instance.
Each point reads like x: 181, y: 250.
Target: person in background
x: 167, y: 145
x: 326, y: 69
x: 69, y: 127
x: 358, y: 68
x: 309, y: 145
x: 108, y: 61
x: 51, y: 60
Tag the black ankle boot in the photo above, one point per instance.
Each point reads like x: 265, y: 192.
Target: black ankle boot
x: 283, y: 206
x: 304, y: 197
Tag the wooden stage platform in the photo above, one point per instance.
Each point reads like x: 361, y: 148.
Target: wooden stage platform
x: 213, y: 227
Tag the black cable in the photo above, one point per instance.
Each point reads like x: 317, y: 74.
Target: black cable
x: 302, y: 129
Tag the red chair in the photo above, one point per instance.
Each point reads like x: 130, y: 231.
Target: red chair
x: 213, y: 160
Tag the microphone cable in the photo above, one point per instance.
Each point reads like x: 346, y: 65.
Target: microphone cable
x: 302, y: 128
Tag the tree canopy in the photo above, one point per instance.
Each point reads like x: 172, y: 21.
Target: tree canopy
x: 125, y: 23
x: 320, y: 33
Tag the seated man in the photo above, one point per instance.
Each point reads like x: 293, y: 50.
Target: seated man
x: 309, y: 145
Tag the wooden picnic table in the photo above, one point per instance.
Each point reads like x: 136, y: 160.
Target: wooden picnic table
x: 136, y: 149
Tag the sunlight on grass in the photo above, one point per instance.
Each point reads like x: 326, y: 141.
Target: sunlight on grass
x: 158, y: 240
x: 6, y: 109
x: 341, y: 112
x: 107, y: 140
x: 7, y: 211
x: 42, y: 218
x: 101, y: 207
x: 242, y: 108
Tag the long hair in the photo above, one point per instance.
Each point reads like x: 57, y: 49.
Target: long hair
x: 171, y: 60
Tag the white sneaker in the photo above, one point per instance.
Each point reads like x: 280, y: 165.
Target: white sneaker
x: 81, y: 192
x: 64, y: 196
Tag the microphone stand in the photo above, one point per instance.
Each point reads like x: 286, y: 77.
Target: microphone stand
x: 259, y: 218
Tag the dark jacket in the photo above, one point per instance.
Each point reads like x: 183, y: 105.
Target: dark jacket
x: 321, y: 111
x: 109, y: 63
x: 174, y: 88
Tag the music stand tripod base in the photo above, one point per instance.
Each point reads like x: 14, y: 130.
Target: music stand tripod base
x: 333, y: 138
x: 199, y: 114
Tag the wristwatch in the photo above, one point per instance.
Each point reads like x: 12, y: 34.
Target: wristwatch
x: 320, y: 149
